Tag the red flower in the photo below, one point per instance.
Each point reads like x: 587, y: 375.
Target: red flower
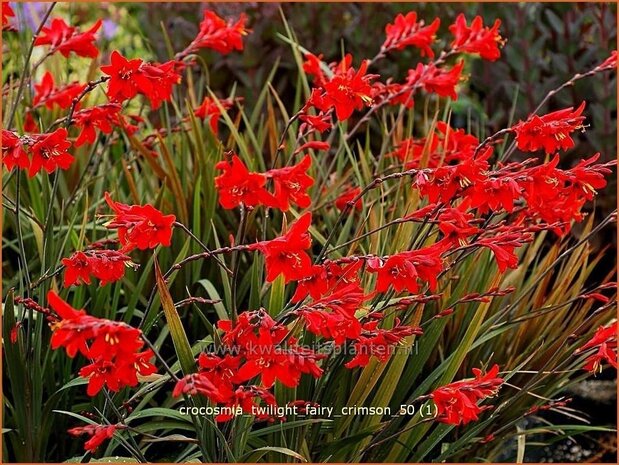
x: 584, y: 178
x: 106, y: 265
x: 443, y: 147
x: 503, y: 243
x: 557, y: 196
x: 209, y: 109
x: 458, y: 403
x: 314, y: 285
x: 476, y: 38
x: 320, y: 122
x: 200, y: 383
x: 13, y: 153
x: 98, y: 434
x: 494, y: 194
x: 436, y: 80
x: 445, y: 182
x: 348, y: 90
x: 313, y: 66
x: 605, y: 341
x: 291, y: 184
x: 456, y: 223
x: 348, y: 196
x: 406, y: 31
x: 237, y: 185
x: 287, y: 254
x: 313, y: 145
x: 610, y: 62
x: 550, y: 132
x: 66, y: 39
x: 392, y: 93
x: 218, y: 34
x: 117, y: 373
x: 333, y: 316
x: 140, y: 226
x: 162, y: 78
x: 48, y: 95
x: 102, y: 117
x: 127, y: 78
x: 7, y: 12
x: 379, y: 342
x: 50, y: 152
x: 285, y: 365
x: 259, y: 340
x: 111, y: 346
x: 76, y: 328
x: 402, y: 270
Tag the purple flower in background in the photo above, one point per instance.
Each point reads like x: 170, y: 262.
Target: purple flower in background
x: 109, y: 28
x: 31, y: 13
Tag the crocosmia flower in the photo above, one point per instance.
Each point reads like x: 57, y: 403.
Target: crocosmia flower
x: 46, y: 93
x: 209, y: 110
x: 66, y: 39
x: 604, y: 341
x: 349, y: 195
x: 111, y: 346
x: 291, y: 184
x: 286, y: 255
x: 458, y: 403
x: 407, y: 31
x: 403, y: 270
x: 13, y: 153
x: 550, y: 132
x: 348, y: 90
x: 477, y: 39
x: 237, y: 185
x: 7, y: 13
x: 126, y: 78
x: 379, y: 342
x: 107, y: 266
x: 98, y: 434
x: 140, y: 226
x: 50, y: 152
x: 218, y: 34
x: 102, y: 117
x: 436, y: 80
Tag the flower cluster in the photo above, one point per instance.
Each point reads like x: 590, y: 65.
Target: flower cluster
x: 66, y: 39
x: 458, y: 403
x: 218, y: 34
x: 112, y: 347
x: 106, y: 265
x: 127, y: 78
x: 238, y: 186
x: 604, y: 341
x: 255, y: 348
x: 36, y: 152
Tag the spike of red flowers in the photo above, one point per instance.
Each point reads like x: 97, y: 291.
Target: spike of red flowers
x: 476, y: 38
x: 291, y: 184
x: 407, y: 31
x: 46, y: 93
x: 218, y: 34
x: 286, y: 255
x: 66, y: 39
x: 140, y: 226
x: 112, y: 347
x: 550, y: 132
x: 237, y: 185
x: 105, y: 265
x: 458, y: 403
x: 98, y: 434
